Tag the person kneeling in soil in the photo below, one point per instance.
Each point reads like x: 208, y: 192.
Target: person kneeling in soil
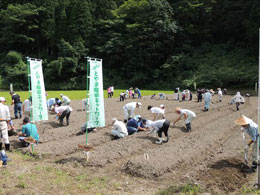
x: 28, y: 130
x: 62, y: 112
x: 188, y: 117
x: 119, y: 129
x: 135, y: 124
x: 158, y: 126
x: 90, y: 129
x: 251, y: 128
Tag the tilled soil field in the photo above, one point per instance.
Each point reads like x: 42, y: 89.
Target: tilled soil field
x: 211, y: 155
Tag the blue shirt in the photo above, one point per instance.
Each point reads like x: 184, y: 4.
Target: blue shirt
x: 31, y: 131
x: 133, y: 123
x: 207, y: 96
x: 252, y: 130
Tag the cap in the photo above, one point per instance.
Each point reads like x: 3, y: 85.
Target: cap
x: 61, y: 94
x: 139, y: 104
x: 2, y: 99
x: 161, y: 106
x: 137, y: 117
x: 243, y: 120
x: 114, y: 119
x: 148, y: 123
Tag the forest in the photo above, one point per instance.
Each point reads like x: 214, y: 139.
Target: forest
x: 152, y: 44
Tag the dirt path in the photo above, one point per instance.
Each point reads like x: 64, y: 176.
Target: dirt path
x: 209, y: 155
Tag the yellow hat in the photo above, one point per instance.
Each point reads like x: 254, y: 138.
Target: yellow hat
x: 243, y: 120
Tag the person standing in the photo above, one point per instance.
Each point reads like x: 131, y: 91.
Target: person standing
x: 62, y: 112
x: 199, y: 95
x: 251, y: 128
x: 188, y: 117
x: 238, y: 99
x: 159, y: 126
x: 119, y: 129
x: 139, y: 93
x: 207, y: 98
x: 16, y: 101
x: 109, y: 92
x: 26, y: 107
x: 220, y: 94
x: 112, y: 91
x: 4, y: 122
x: 177, y: 93
x: 129, y: 110
x: 65, y: 100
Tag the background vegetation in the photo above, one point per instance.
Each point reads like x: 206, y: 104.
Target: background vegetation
x: 152, y: 44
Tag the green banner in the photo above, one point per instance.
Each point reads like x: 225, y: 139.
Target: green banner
x: 96, y: 97
x: 39, y: 104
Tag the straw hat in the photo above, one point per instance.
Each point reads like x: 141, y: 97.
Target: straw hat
x: 243, y: 120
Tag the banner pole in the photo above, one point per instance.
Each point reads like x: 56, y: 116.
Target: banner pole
x: 29, y: 89
x: 87, y: 109
x: 258, y: 119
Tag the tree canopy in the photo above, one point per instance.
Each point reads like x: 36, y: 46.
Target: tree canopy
x: 152, y: 44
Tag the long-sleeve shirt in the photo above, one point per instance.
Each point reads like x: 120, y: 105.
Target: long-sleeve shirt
x: 207, y: 96
x: 252, y: 130
x: 120, y: 127
x: 4, y: 112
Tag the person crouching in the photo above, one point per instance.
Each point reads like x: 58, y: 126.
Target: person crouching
x: 62, y: 112
x: 188, y: 116
x: 119, y: 129
x: 159, y: 126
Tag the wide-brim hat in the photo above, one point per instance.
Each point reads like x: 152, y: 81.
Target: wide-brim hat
x: 243, y: 120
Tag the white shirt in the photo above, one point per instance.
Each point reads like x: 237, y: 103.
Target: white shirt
x: 65, y: 99
x: 156, y: 125
x: 130, y: 106
x: 61, y: 109
x: 120, y: 127
x: 220, y: 93
x: 26, y: 104
x: 157, y: 110
x: 187, y: 112
x: 238, y: 98
x: 112, y: 89
x: 4, y: 112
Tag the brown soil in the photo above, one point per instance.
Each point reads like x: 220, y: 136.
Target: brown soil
x: 211, y: 155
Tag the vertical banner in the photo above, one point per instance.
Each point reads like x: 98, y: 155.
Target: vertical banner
x: 39, y: 104
x: 96, y: 96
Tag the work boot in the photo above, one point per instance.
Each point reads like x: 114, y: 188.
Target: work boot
x: 165, y: 140
x: 7, y: 147
x: 159, y: 141
x: 254, y: 166
x: 188, y: 126
x: 1, y: 146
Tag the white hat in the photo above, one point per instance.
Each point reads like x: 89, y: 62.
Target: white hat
x: 139, y: 104
x: 114, y: 119
x: 243, y: 120
x: 137, y: 117
x: 2, y: 99
x: 61, y: 94
x: 161, y: 106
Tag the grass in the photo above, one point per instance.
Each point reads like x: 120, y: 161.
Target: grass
x: 187, y: 189
x: 75, y: 95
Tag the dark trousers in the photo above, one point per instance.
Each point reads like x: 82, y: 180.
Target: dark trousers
x: 66, y: 113
x: 18, y: 109
x: 122, y: 98
x: 164, y: 128
x: 237, y: 105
